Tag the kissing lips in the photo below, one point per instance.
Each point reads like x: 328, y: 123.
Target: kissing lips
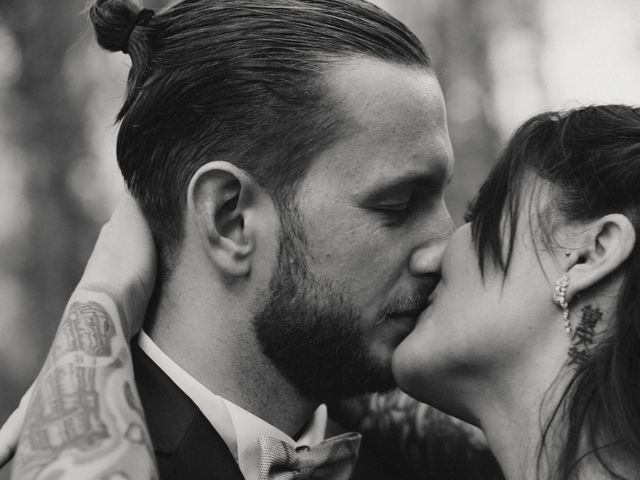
x: 406, y: 320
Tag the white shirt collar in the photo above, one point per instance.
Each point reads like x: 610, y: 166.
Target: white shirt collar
x: 238, y: 428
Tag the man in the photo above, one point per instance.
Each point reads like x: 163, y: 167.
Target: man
x: 290, y: 158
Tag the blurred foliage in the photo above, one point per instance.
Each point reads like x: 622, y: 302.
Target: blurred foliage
x: 416, y: 440
x: 44, y: 137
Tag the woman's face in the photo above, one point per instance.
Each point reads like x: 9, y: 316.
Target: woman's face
x: 476, y: 327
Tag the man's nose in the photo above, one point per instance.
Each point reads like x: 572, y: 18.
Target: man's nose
x: 427, y: 257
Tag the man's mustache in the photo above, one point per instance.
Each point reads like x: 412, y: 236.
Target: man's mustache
x: 412, y: 304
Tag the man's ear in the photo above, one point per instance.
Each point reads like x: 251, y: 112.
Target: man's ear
x: 220, y: 196
x: 609, y: 242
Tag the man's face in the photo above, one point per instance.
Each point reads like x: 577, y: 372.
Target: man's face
x: 371, y: 226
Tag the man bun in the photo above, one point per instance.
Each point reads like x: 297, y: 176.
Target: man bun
x: 114, y: 22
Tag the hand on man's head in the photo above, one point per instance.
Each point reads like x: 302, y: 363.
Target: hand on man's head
x: 124, y: 263
x: 123, y: 266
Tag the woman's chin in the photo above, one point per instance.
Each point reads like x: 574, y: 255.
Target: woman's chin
x: 428, y: 385
x: 423, y: 370
x: 407, y: 366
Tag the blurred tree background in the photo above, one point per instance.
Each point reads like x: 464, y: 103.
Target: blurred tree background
x: 499, y: 62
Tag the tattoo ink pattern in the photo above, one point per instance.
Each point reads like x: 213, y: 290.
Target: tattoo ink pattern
x: 117, y: 476
x: 66, y: 411
x: 135, y: 434
x: 583, y: 336
x: 65, y: 405
x: 131, y: 401
x: 87, y: 328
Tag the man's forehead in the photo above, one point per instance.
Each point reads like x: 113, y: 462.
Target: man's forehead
x: 395, y: 133
x: 372, y: 92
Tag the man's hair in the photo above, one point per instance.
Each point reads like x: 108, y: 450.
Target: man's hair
x: 235, y: 80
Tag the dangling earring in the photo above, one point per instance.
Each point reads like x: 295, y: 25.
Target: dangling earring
x: 560, y: 299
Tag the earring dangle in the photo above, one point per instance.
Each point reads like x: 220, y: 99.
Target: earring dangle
x: 560, y: 299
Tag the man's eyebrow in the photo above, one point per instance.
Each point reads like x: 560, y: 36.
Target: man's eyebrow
x: 404, y: 183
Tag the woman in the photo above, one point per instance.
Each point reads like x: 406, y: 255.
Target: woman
x: 533, y: 334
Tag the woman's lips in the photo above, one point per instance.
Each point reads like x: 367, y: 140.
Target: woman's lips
x: 424, y: 315
x: 406, y: 319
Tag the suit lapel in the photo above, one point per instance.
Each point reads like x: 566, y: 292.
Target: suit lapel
x: 185, y: 443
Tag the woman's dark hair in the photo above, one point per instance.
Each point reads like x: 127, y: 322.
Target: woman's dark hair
x: 239, y: 80
x: 590, y: 157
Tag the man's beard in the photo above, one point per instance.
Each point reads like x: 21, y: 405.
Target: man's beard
x: 311, y: 331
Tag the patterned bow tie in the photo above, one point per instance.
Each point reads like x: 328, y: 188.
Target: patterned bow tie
x: 332, y: 459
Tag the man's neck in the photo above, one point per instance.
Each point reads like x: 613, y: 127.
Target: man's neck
x: 226, y: 358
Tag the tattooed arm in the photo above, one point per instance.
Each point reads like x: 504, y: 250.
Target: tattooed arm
x: 433, y: 445
x: 84, y: 418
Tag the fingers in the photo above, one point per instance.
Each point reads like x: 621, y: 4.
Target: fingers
x: 124, y: 261
x: 12, y: 428
x: 125, y: 250
x: 128, y: 214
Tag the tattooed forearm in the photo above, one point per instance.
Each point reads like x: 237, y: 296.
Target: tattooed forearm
x: 431, y: 444
x: 80, y: 420
x: 87, y: 328
x: 65, y: 411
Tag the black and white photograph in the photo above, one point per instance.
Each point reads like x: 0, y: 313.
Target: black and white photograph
x: 320, y: 240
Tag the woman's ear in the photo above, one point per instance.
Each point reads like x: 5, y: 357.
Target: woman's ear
x: 605, y: 245
x: 219, y: 197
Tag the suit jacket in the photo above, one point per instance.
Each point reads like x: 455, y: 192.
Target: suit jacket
x: 188, y: 447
